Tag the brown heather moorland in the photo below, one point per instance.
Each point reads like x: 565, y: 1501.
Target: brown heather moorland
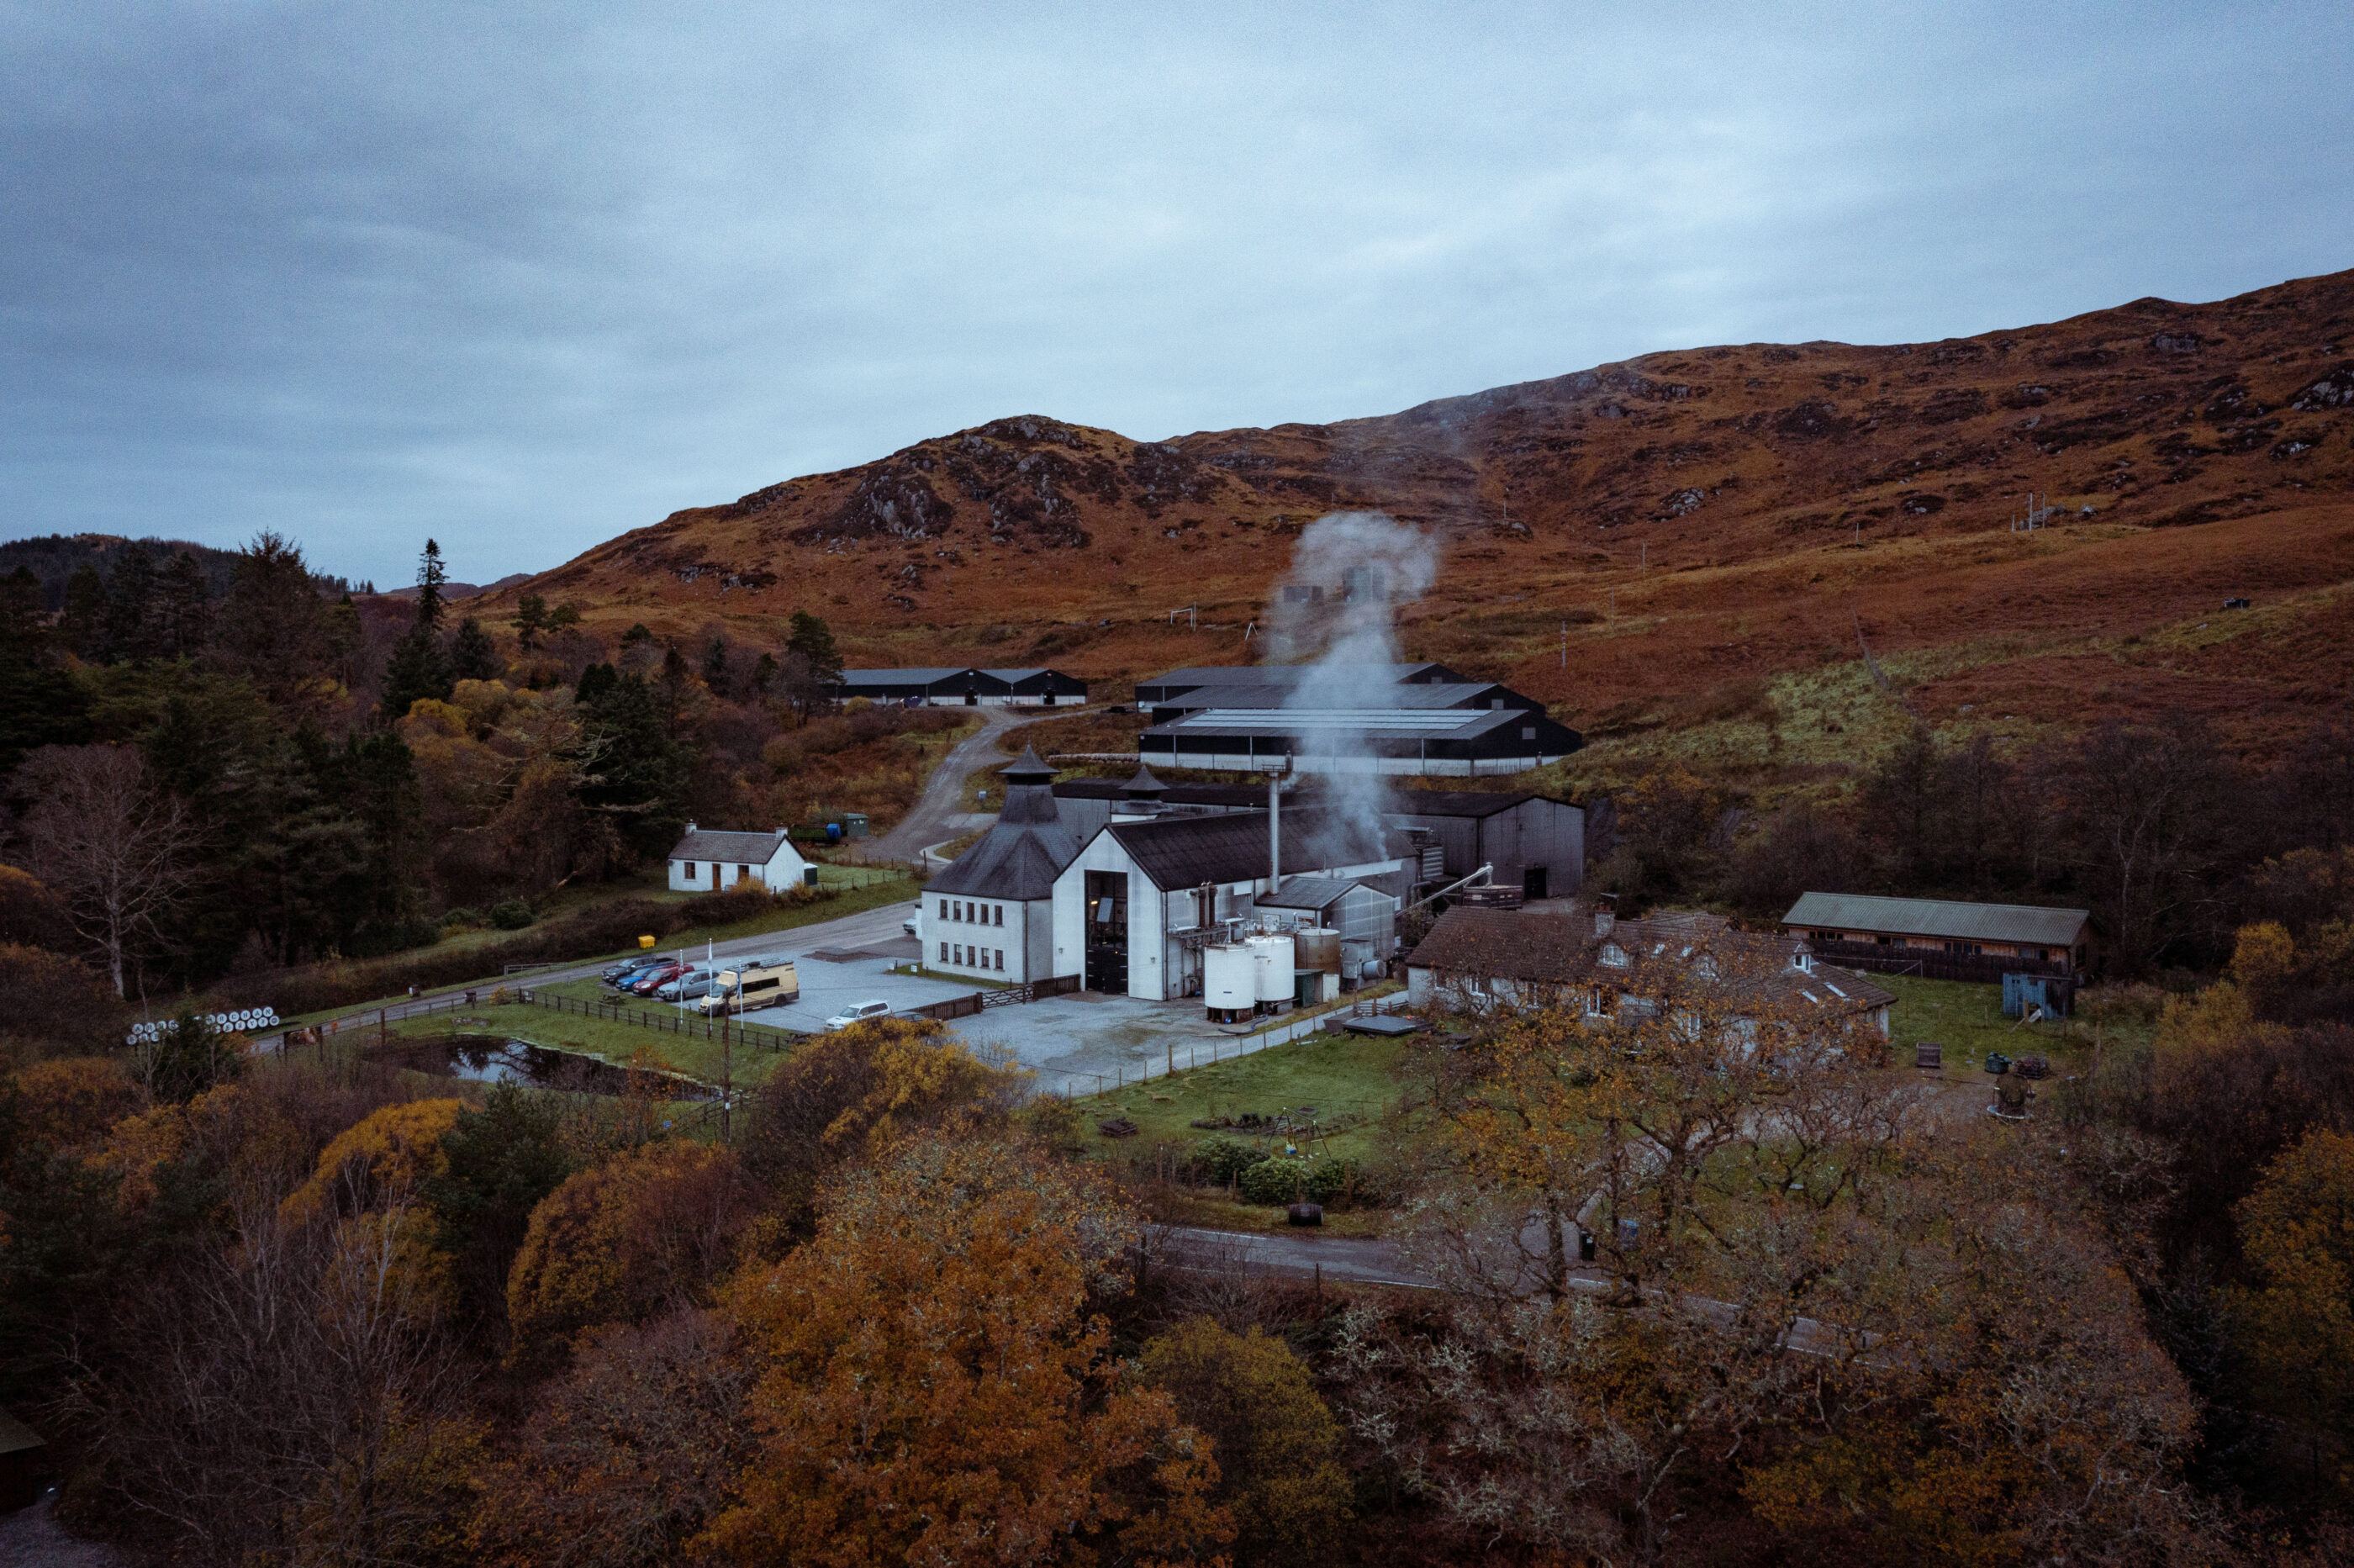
x: 1711, y: 526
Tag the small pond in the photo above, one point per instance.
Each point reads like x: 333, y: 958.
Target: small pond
x: 494, y: 1059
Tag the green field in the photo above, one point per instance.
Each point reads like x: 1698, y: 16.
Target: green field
x: 1347, y: 1077
x: 1966, y: 1020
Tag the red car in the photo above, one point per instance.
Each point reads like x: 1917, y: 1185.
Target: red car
x: 661, y: 974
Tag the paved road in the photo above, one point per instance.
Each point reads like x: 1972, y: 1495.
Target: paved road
x: 933, y: 819
x: 865, y: 929
x: 1308, y: 1253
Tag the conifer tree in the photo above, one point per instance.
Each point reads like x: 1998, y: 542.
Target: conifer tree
x: 419, y: 667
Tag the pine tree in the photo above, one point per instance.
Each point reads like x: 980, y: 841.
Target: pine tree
x: 714, y: 667
x: 184, y: 608
x: 83, y: 628
x: 131, y: 619
x: 472, y: 657
x: 812, y: 639
x: 530, y: 619
x: 420, y: 668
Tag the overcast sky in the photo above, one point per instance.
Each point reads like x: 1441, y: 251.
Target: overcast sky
x: 525, y: 276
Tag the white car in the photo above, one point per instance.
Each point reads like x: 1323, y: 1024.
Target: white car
x: 908, y: 924
x: 858, y: 1012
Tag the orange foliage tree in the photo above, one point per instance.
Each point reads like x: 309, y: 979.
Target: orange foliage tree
x: 69, y: 1101
x: 2297, y: 1230
x: 649, y: 1228
x: 389, y: 1151
x: 936, y: 1387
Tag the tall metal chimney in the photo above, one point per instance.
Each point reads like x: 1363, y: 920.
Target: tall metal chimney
x: 1274, y: 832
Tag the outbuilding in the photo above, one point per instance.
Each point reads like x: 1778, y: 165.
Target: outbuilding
x: 707, y: 861
x: 1943, y: 938
x: 963, y: 686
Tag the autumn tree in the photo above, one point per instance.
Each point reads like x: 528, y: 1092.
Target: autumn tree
x: 648, y: 1229
x: 851, y: 1094
x: 111, y: 845
x: 630, y: 1454
x: 2297, y: 1230
x: 1276, y: 1443
x: 937, y: 1383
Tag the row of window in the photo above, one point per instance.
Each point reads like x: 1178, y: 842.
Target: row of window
x: 971, y: 914
x: 692, y: 866
x: 973, y: 957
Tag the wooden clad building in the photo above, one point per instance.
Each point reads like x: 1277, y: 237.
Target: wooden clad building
x: 1942, y: 938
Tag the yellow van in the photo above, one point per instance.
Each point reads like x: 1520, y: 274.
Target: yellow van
x: 749, y: 984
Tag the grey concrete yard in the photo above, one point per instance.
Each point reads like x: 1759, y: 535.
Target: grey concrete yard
x: 1071, y: 1041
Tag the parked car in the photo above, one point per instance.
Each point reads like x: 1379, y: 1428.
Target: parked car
x: 908, y: 924
x: 628, y: 969
x: 759, y: 982
x: 858, y: 1012
x: 695, y: 982
x: 644, y: 984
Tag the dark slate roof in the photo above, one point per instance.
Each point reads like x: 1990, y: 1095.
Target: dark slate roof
x: 1187, y: 851
x: 1023, y: 853
x: 745, y: 849
x: 1401, y: 721
x: 1239, y: 795
x: 1309, y: 892
x: 1463, y: 802
x: 908, y: 677
x: 1281, y: 675
x: 1939, y: 917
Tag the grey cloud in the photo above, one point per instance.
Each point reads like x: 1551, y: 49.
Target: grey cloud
x: 528, y: 276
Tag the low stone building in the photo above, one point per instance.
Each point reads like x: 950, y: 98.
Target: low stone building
x: 1588, y: 961
x: 1943, y: 938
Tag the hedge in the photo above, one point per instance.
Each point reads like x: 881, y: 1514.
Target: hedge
x: 583, y: 933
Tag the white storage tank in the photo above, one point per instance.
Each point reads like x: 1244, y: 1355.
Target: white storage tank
x: 1273, y: 961
x: 1229, y: 981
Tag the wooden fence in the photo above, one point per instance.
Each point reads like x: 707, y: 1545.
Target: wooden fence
x: 671, y: 1021
x: 1003, y: 996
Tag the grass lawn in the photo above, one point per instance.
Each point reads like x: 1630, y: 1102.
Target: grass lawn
x: 599, y: 1037
x: 1968, y: 1021
x: 1347, y: 1077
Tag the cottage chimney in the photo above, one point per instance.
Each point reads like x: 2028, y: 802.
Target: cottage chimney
x: 1605, y: 914
x: 690, y: 827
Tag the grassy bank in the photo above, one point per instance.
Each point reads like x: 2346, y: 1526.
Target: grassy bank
x: 602, y: 1038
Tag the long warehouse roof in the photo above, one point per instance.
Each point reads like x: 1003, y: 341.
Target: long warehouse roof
x: 1435, y: 723
x: 1939, y: 917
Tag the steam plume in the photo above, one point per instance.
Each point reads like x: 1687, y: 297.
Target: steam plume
x: 1367, y: 563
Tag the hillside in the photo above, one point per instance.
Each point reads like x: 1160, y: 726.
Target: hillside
x: 1699, y: 518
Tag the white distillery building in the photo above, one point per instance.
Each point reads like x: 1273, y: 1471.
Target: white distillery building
x: 991, y: 913
x: 1146, y: 894
x: 705, y: 860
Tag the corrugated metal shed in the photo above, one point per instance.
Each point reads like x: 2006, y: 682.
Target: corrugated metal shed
x: 1949, y: 921
x: 1309, y: 893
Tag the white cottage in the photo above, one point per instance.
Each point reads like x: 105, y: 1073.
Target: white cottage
x: 706, y: 861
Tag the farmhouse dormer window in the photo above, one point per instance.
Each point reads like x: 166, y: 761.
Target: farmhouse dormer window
x: 1614, y: 956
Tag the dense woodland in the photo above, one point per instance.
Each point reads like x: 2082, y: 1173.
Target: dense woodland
x: 218, y: 771
x: 310, y: 1309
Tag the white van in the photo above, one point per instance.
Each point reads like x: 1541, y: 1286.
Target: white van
x: 759, y: 983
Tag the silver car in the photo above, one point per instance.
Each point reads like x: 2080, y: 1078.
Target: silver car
x: 694, y: 983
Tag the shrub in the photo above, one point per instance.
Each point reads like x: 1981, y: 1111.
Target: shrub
x: 513, y: 914
x: 1329, y: 1177
x: 462, y: 919
x: 1275, y: 1180
x: 1225, y: 1158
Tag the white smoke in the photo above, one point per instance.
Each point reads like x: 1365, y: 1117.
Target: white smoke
x: 1367, y: 564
